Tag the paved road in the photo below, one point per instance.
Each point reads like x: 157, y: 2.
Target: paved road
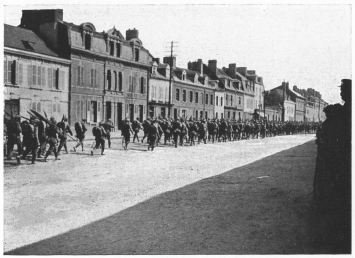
x: 203, y: 199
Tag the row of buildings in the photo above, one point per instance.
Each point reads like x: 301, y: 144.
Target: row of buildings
x: 61, y: 68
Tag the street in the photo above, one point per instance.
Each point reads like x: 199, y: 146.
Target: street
x: 245, y: 197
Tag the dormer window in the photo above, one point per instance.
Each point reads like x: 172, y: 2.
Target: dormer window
x: 87, y: 41
x: 154, y: 70
x: 184, y: 76
x: 136, y: 54
x: 196, y: 78
x: 206, y: 81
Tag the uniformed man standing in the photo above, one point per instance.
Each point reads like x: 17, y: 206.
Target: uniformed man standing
x: 136, y: 126
x: 14, y: 136
x: 99, y: 132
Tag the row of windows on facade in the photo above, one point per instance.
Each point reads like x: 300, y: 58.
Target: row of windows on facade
x: 229, y: 98
x: 49, y: 109
x: 114, y: 80
x: 37, y: 76
x: 114, y: 48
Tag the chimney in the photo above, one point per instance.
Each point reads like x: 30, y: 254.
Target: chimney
x: 242, y: 71
x: 131, y: 34
x: 189, y: 66
x: 32, y: 19
x: 167, y: 60
x: 232, y: 70
x: 157, y: 60
x: 251, y: 72
x: 260, y: 80
x: 212, y: 66
x: 199, y: 66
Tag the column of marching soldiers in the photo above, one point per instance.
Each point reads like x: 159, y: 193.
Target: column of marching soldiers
x: 43, y: 136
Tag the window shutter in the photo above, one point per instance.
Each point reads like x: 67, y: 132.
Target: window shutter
x: 39, y: 107
x: 20, y: 70
x: 50, y: 80
x: 43, y: 77
x: 88, y: 110
x: 95, y: 78
x: 92, y: 77
x: 130, y: 83
x: 9, y: 72
x: 39, y: 76
x: 16, y: 68
x: 78, y: 110
x: 82, y: 76
x: 5, y: 71
x: 78, y: 70
x: 34, y: 106
x: 55, y: 86
x: 82, y: 109
x: 126, y: 108
x: 144, y: 85
x: 34, y: 75
x: 29, y: 75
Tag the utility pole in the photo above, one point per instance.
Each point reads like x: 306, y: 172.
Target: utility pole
x: 283, y: 102
x: 170, y: 77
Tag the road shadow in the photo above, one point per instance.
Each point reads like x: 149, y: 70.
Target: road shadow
x: 261, y: 208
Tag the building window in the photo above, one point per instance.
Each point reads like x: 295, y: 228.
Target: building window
x: 211, y: 100
x: 183, y: 112
x: 109, y: 80
x: 216, y: 114
x: 177, y: 95
x: 196, y: 114
x: 130, y: 84
x: 115, y: 80
x: 120, y: 85
x: 191, y: 96
x: 216, y: 100
x: 184, y: 95
x: 233, y: 115
x: 142, y: 85
x: 136, y: 54
x: 240, y: 100
x: 231, y: 101
x: 13, y: 72
x: 229, y: 114
x: 227, y: 99
x: 201, y: 114
x: 118, y: 49
x: 221, y: 101
x: 184, y: 77
x: 196, y: 98
x: 112, y: 48
x: 206, y: 100
x: 201, y: 98
x: 87, y: 41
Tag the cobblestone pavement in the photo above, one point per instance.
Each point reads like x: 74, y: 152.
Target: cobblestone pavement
x: 50, y: 200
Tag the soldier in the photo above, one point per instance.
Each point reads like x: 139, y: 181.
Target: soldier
x: 192, y: 132
x: 202, y: 130
x: 136, y: 126
x: 107, y: 127
x: 146, y: 127
x: 13, y: 136
x: 126, y: 132
x: 31, y: 139
x: 80, y: 130
x: 42, y: 138
x: 52, y: 132
x: 153, y: 135
x: 176, y: 129
x: 64, y: 126
x: 183, y: 133
x: 99, y: 132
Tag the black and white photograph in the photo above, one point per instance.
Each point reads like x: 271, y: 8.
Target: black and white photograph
x: 184, y: 128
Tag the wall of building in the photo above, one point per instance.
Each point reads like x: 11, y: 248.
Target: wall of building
x: 34, y: 88
x: 218, y: 106
x: 290, y: 109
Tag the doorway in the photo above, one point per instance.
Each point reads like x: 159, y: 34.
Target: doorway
x: 108, y: 110
x: 140, y: 107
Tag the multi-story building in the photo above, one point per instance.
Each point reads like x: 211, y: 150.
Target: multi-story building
x: 108, y: 73
x: 192, y: 92
x: 158, y: 95
x: 249, y: 93
x: 258, y: 94
x: 35, y: 76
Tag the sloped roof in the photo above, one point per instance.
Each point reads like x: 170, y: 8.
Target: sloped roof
x: 27, y: 40
x: 297, y: 94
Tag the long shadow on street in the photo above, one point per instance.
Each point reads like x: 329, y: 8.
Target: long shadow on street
x: 261, y: 208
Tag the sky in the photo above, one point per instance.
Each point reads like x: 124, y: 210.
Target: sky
x: 306, y: 45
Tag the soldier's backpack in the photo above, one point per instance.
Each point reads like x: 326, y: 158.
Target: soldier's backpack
x: 96, y: 131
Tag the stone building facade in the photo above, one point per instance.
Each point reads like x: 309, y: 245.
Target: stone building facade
x: 35, y: 76
x: 108, y: 73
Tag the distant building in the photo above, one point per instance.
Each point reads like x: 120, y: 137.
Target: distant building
x: 35, y: 76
